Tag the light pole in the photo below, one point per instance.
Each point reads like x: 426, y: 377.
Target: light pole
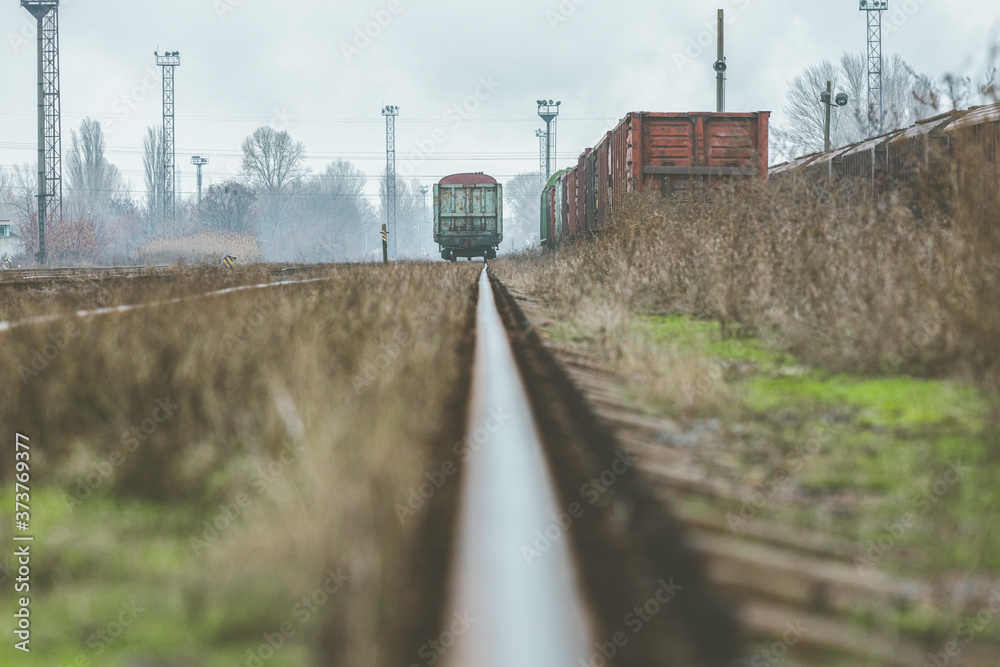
x: 424, y: 190
x: 199, y: 162
x: 549, y: 111
x: 825, y: 98
x: 543, y: 146
x: 720, y: 66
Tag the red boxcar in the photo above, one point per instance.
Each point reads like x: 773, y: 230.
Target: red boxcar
x: 686, y: 152
x: 572, y: 220
x: 584, y: 198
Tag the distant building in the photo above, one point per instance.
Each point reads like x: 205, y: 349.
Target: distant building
x: 10, y: 243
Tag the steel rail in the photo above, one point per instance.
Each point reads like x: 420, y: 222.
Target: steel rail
x: 110, y: 310
x: 517, y: 614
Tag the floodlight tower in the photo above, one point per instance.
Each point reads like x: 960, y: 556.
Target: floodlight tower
x: 543, y: 142
x: 199, y: 162
x: 549, y: 111
x: 390, y: 113
x: 168, y: 61
x: 876, y: 115
x: 46, y: 13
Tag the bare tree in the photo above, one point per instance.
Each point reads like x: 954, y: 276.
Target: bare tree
x: 802, y: 130
x: 522, y: 204
x: 328, y: 218
x: 271, y: 160
x: 229, y: 206
x: 154, y: 166
x: 89, y: 170
x: 97, y: 192
x: 20, y: 190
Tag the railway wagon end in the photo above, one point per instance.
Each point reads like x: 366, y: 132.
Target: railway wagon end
x: 468, y: 216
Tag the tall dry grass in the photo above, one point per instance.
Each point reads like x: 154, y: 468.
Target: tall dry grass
x: 322, y: 403
x: 843, y: 279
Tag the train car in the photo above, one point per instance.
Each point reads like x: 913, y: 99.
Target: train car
x: 926, y: 160
x: 685, y: 154
x: 584, y: 193
x: 975, y: 145
x: 553, y: 209
x: 468, y: 216
x: 675, y: 154
x: 572, y: 224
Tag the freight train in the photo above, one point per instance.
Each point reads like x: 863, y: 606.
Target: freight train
x: 678, y: 155
x: 931, y: 155
x: 468, y: 216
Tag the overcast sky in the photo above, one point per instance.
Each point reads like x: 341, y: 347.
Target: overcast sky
x: 465, y: 74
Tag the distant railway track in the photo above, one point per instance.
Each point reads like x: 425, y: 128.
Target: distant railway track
x: 40, y: 277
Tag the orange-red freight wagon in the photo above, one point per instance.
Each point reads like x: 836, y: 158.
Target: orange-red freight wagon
x: 572, y: 225
x: 681, y: 153
x: 584, y: 192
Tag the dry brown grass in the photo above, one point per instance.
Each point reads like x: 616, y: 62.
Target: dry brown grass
x: 842, y: 282
x: 346, y: 383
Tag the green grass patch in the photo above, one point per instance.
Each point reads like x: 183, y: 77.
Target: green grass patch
x: 893, y: 442
x: 115, y: 582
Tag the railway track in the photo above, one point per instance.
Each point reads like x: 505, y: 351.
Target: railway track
x: 42, y: 277
x: 562, y: 554
x: 802, y: 598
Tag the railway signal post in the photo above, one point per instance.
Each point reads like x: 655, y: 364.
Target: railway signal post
x: 385, y: 245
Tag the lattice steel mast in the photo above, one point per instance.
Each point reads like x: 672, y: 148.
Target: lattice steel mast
x: 543, y: 147
x: 876, y: 113
x: 549, y: 111
x: 46, y: 13
x: 390, y: 113
x: 169, y: 61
